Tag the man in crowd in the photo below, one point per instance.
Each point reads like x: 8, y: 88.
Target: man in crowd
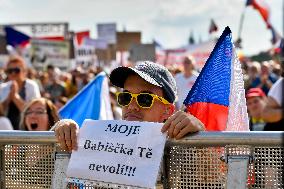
x: 17, y: 91
x: 149, y: 95
x: 185, y: 80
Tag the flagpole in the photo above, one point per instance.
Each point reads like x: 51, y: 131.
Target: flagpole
x: 283, y: 18
x: 241, y: 23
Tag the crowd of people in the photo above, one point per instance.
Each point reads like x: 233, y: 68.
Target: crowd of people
x: 30, y: 99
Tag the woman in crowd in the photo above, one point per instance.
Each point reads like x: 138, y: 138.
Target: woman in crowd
x: 39, y: 115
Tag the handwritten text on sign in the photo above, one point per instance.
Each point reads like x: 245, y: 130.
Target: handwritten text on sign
x: 120, y: 152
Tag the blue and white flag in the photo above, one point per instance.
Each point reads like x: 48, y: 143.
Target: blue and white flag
x: 92, y: 102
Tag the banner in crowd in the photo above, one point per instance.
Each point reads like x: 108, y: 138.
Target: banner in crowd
x: 42, y: 30
x: 97, y: 43
x: 200, y: 52
x: 85, y: 55
x: 45, y: 52
x: 119, y: 152
x: 107, y: 32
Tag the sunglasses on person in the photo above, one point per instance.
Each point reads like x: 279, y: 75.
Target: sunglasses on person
x: 13, y: 70
x: 144, y: 100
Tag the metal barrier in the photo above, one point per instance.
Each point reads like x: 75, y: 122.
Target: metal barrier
x: 203, y: 160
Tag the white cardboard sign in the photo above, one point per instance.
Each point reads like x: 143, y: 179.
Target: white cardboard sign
x: 119, y: 152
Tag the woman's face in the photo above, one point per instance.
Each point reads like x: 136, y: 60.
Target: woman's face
x: 36, y: 118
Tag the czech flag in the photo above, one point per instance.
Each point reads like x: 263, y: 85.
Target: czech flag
x: 217, y: 97
x: 92, y: 102
x: 16, y: 38
x: 262, y: 8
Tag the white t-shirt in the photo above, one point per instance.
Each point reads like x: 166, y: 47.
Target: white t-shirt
x: 31, y: 90
x: 183, y: 86
x: 5, y: 123
x: 276, y: 91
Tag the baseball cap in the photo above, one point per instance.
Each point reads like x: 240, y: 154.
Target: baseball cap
x: 152, y: 73
x: 255, y: 92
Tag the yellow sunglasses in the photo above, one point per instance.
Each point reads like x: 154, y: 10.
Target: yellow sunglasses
x: 144, y: 100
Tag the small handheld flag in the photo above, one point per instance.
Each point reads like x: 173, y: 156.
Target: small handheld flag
x: 217, y: 97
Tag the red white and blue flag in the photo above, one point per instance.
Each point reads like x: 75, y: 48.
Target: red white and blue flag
x: 16, y: 38
x: 262, y: 8
x: 218, y: 97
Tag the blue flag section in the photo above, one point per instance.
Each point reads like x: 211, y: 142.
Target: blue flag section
x: 15, y: 38
x: 92, y: 102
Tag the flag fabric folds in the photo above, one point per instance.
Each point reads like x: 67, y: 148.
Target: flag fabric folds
x: 80, y: 36
x: 92, y: 102
x: 218, y: 97
x: 262, y: 8
x: 16, y: 38
x: 213, y: 26
x: 279, y: 47
x: 276, y: 37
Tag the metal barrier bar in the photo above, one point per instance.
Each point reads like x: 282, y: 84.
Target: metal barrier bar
x: 2, y: 167
x: 237, y: 172
x: 197, y: 139
x: 60, y: 168
x: 27, y: 137
x: 253, y: 138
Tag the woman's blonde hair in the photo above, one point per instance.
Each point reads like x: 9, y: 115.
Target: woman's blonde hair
x: 51, y: 111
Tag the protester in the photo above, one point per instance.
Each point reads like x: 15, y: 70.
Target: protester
x: 154, y: 90
x: 40, y: 114
x: 185, y: 79
x: 273, y: 111
x: 266, y: 78
x: 60, y: 102
x: 18, y: 90
x: 55, y: 89
x: 5, y: 123
x: 256, y: 101
x: 253, y: 73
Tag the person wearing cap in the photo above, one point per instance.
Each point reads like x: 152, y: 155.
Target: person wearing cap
x: 256, y: 101
x: 149, y: 93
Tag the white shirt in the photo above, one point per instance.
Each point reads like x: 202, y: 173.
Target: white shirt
x: 183, y: 86
x: 31, y: 90
x: 276, y: 91
x: 5, y: 124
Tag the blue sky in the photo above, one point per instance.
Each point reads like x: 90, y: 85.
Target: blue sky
x: 168, y: 21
